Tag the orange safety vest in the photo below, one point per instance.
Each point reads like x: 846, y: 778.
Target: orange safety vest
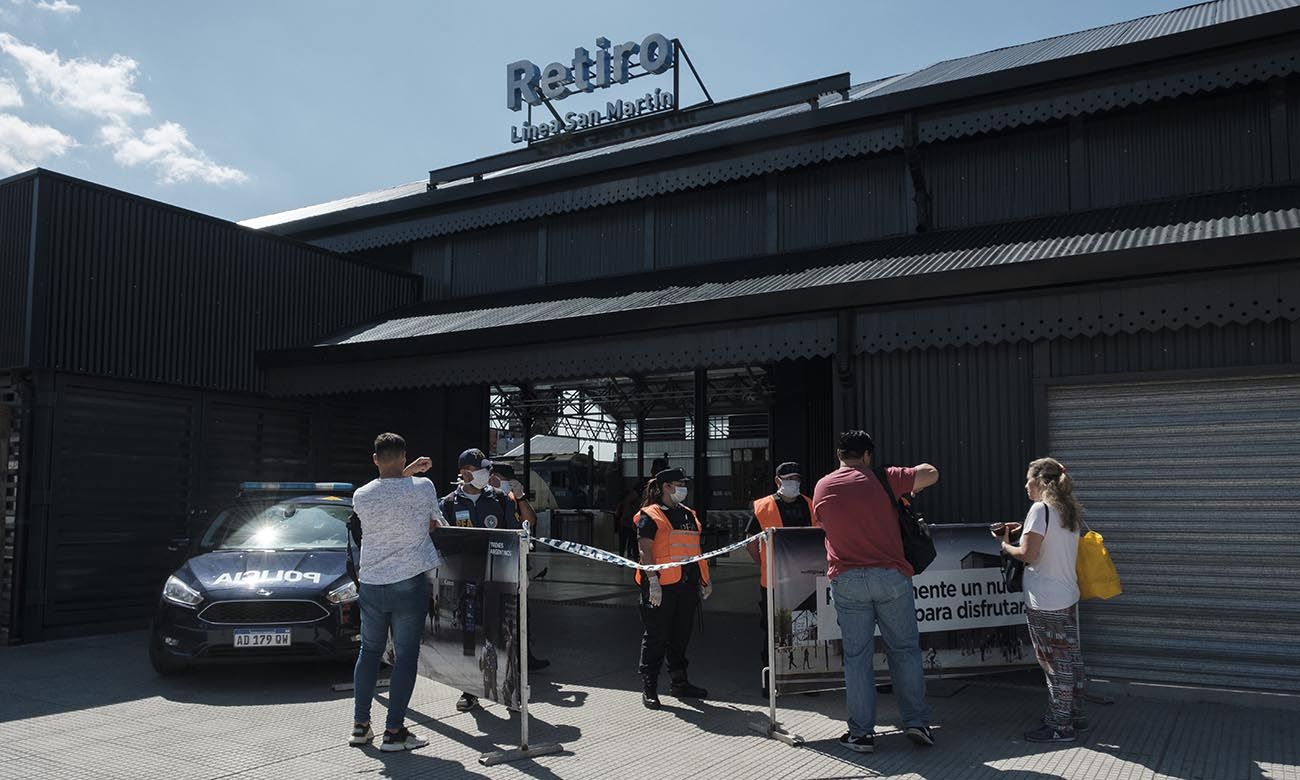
x: 671, y: 544
x: 769, y: 516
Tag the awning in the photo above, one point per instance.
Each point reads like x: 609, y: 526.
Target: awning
x: 780, y: 307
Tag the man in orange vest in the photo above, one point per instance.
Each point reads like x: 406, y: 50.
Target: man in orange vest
x: 668, y: 531
x: 786, y: 508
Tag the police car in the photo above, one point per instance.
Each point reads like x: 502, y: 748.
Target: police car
x: 267, y: 581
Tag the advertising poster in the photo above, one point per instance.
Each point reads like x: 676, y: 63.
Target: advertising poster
x: 471, y: 638
x: 968, y: 622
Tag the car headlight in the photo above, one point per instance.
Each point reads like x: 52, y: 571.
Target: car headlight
x: 177, y: 592
x: 344, y: 594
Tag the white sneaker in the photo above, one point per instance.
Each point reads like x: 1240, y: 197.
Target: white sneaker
x: 402, y: 740
x: 361, y: 735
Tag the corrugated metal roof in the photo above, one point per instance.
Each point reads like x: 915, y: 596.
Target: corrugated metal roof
x: 1107, y: 230
x: 1059, y: 47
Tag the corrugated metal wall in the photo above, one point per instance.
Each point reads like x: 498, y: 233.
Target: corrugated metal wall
x: 1196, y: 145
x: 253, y: 439
x: 849, y: 200
x: 11, y: 425
x: 142, y: 291
x: 595, y: 243
x: 1196, y: 486
x: 122, y: 465
x: 1008, y: 176
x: 494, y: 259
x: 1252, y: 344
x: 967, y: 411
x: 1293, y: 123
x: 15, y: 245
x: 715, y: 224
x: 429, y: 260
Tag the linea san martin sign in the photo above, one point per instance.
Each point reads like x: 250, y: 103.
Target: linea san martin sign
x: 527, y: 84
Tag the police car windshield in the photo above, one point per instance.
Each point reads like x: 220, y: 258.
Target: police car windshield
x: 280, y: 527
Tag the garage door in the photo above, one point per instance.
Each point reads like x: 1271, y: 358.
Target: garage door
x: 1196, y: 487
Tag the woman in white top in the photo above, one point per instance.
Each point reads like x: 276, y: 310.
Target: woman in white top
x: 1049, y: 547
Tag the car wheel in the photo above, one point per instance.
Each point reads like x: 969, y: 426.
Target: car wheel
x: 163, y: 663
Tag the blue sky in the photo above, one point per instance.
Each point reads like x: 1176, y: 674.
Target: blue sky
x: 239, y: 109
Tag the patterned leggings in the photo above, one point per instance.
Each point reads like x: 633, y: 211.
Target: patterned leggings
x: 1055, y: 634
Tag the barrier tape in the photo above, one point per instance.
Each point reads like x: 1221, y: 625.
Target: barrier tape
x: 605, y: 556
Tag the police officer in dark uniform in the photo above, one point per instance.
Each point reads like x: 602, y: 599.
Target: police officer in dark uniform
x: 669, y: 531
x: 476, y: 504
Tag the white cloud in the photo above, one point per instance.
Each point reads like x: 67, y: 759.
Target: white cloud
x: 169, y: 150
x: 61, y: 7
x: 105, y: 90
x: 10, y: 97
x: 96, y: 88
x: 24, y: 145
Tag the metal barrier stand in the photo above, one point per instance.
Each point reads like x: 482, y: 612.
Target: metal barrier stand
x: 773, y: 728
x: 524, y: 750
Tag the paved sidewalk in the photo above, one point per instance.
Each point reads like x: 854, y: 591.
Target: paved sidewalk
x: 92, y: 708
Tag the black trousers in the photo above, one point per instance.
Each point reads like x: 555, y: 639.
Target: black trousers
x: 668, y: 627
x: 762, y: 621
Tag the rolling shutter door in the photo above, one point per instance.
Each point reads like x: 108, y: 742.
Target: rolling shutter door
x: 1196, y: 487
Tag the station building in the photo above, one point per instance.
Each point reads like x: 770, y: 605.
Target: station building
x: 1086, y: 246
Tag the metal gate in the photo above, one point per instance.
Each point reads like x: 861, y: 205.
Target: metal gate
x: 1196, y: 487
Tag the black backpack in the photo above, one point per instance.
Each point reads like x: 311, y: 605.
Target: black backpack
x: 918, y: 547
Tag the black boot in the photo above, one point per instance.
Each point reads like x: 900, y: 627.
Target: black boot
x: 650, y: 692
x: 682, y: 688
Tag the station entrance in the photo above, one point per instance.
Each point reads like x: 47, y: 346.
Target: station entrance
x: 589, y: 446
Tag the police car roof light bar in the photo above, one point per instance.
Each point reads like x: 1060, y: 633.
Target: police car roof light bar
x: 281, y: 487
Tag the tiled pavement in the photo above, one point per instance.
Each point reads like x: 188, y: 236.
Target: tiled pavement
x: 92, y: 708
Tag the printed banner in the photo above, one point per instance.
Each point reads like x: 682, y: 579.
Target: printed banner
x: 967, y: 620
x: 471, y: 639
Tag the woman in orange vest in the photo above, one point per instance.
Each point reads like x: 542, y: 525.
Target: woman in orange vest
x: 786, y: 508
x: 667, y: 531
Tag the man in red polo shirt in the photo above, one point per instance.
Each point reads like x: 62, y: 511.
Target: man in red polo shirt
x: 871, y: 584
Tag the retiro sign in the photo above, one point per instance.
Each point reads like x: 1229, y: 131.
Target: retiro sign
x: 587, y: 72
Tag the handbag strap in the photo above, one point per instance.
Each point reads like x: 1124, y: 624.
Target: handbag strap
x: 879, y: 471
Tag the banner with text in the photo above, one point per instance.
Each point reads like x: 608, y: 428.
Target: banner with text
x: 967, y: 620
x: 471, y: 639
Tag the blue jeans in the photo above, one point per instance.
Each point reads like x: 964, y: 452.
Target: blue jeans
x: 403, y: 606
x: 865, y: 598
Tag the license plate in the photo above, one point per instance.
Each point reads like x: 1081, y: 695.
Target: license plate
x: 263, y: 637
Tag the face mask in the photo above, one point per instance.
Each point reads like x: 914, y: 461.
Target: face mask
x: 480, y: 477
x: 506, y: 486
x: 679, y: 494
x: 789, y: 488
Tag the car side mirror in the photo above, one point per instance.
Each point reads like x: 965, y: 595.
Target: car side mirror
x: 179, y: 544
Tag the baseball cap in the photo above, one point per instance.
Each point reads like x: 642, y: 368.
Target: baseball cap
x: 789, y: 469
x: 474, y: 459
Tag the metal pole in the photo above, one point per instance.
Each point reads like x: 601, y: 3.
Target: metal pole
x: 523, y: 751
x: 769, y: 562
x: 773, y: 729
x: 640, y: 447
x: 701, y: 414
x: 523, y: 641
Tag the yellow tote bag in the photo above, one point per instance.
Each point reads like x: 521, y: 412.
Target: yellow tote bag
x: 1097, y: 576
